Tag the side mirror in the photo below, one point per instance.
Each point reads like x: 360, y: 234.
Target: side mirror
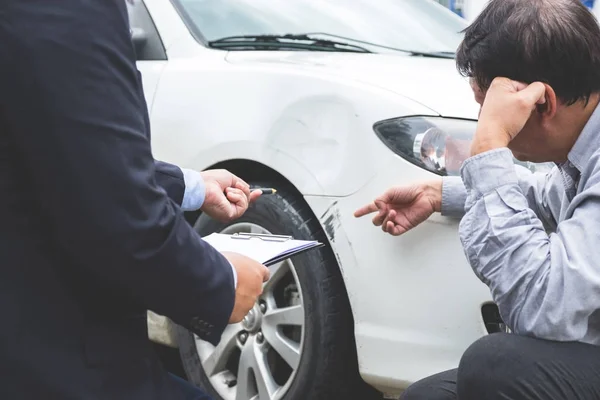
x: 139, y: 38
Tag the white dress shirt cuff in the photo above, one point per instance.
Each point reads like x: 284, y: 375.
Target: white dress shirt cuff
x: 195, y: 190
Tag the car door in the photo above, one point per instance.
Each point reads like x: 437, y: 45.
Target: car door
x: 150, y: 52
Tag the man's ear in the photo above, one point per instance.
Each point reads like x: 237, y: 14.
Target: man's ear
x: 548, y: 109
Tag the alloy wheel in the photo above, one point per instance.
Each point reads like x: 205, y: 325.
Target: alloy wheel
x: 259, y: 357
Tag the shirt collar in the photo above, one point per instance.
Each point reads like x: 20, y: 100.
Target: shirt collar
x: 587, y: 143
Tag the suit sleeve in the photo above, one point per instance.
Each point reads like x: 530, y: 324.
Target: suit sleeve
x: 170, y: 178
x: 184, y: 186
x: 71, y: 97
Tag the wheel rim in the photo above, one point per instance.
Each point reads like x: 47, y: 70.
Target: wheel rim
x: 259, y: 357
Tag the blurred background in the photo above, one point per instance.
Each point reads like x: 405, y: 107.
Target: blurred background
x: 469, y: 9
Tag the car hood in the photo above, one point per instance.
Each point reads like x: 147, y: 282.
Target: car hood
x: 432, y: 82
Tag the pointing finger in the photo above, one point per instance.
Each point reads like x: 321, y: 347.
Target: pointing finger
x: 365, y: 210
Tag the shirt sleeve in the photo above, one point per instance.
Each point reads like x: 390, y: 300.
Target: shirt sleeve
x: 195, y: 190
x: 545, y: 285
x: 537, y: 189
x: 454, y: 196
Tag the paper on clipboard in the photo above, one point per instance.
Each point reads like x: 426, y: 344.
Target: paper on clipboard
x: 266, y: 249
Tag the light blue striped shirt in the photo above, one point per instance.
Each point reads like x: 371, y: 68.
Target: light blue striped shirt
x: 533, y: 239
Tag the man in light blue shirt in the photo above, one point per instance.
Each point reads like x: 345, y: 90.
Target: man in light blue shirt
x: 534, y: 240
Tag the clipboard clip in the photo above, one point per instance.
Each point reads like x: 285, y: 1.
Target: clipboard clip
x: 261, y: 236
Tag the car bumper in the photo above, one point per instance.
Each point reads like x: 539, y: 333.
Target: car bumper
x: 417, y: 305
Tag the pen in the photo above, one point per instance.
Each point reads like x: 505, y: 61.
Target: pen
x: 266, y: 190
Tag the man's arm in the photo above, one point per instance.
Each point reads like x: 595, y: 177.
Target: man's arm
x: 170, y: 177
x: 184, y: 186
x: 71, y: 98
x: 535, y: 187
x: 545, y: 285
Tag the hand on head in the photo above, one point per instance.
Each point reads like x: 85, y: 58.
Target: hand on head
x: 507, y: 107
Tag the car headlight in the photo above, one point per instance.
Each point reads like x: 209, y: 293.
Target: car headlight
x: 439, y: 145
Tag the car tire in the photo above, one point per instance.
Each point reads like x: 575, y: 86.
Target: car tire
x: 328, y: 367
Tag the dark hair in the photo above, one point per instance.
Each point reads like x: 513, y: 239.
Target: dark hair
x: 552, y: 41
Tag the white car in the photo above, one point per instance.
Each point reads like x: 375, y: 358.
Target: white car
x: 343, y: 107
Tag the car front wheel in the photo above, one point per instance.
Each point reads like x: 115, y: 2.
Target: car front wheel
x: 297, y: 343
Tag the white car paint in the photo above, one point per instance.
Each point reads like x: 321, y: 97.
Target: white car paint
x: 309, y: 116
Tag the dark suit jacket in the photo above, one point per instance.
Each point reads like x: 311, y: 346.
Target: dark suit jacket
x: 89, y: 238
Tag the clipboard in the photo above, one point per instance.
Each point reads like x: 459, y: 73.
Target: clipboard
x: 265, y: 248
x: 261, y: 236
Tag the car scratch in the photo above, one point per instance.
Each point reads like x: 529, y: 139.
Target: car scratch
x: 331, y: 220
x: 343, y: 249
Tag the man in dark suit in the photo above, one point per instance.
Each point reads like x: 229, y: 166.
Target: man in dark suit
x: 91, y: 231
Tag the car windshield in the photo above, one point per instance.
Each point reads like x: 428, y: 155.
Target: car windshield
x: 415, y: 25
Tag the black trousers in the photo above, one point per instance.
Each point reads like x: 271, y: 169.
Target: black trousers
x: 511, y: 367
x: 190, y: 391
